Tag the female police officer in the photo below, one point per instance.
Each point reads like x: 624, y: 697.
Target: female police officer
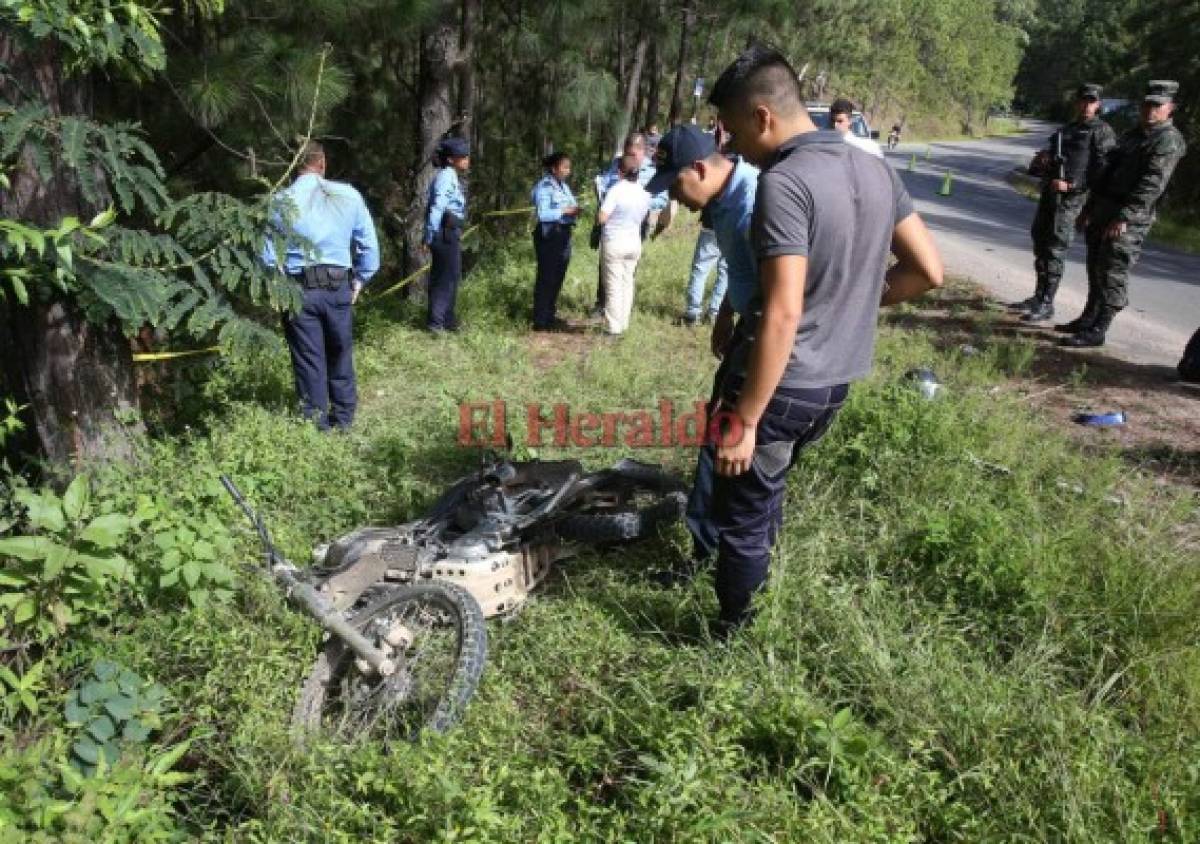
x: 444, y: 219
x: 557, y: 212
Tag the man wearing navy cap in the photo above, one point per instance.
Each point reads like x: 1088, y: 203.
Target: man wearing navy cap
x: 697, y: 175
x: 1074, y: 155
x: 331, y: 251
x: 1119, y: 213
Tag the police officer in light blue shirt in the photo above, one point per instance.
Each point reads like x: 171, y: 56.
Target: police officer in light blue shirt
x: 692, y: 170
x: 330, y: 249
x: 446, y: 212
x: 557, y: 212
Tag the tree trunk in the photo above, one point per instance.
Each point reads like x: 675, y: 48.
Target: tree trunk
x: 466, y: 68
x: 435, y: 115
x: 654, y: 90
x: 685, y: 31
x: 631, y: 88
x: 702, y: 65
x: 76, y: 377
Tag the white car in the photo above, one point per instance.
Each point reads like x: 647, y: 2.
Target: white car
x: 863, y: 136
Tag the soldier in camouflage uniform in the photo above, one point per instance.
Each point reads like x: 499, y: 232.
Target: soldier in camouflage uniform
x: 1084, y: 143
x: 1120, y: 211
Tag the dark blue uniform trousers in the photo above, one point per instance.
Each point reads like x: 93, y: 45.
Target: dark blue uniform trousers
x: 747, y: 509
x: 699, y: 515
x: 445, y: 274
x: 320, y: 338
x: 552, y: 245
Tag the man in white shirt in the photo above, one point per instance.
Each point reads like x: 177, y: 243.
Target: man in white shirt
x: 841, y: 119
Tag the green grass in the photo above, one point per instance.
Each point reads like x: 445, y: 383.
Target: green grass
x: 945, y: 653
x: 1180, y: 231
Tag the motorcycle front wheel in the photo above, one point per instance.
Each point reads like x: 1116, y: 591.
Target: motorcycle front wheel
x: 433, y: 632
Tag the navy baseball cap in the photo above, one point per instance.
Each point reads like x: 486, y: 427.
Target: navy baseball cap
x: 678, y: 149
x: 454, y: 147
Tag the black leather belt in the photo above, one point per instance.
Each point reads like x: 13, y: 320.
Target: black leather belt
x: 323, y: 276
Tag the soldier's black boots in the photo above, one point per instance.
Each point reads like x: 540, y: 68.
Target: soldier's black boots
x: 1083, y: 321
x: 1033, y: 301
x: 1042, y: 310
x: 1093, y: 335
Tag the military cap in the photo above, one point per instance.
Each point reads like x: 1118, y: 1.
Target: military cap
x: 1088, y: 91
x: 454, y: 147
x: 1159, y: 91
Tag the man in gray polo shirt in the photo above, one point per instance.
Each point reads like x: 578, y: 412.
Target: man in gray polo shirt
x: 826, y: 217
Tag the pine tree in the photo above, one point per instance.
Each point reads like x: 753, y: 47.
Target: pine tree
x: 94, y: 246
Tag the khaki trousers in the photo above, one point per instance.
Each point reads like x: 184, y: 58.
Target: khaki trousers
x: 618, y: 261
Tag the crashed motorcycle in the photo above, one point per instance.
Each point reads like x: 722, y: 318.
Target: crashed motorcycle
x: 404, y: 607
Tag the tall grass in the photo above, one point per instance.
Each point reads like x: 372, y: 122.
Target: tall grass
x: 947, y: 651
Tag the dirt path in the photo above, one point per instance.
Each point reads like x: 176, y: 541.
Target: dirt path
x: 1162, y: 432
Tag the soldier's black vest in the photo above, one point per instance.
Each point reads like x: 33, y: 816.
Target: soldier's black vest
x: 1077, y: 150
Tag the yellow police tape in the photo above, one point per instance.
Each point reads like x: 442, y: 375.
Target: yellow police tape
x: 147, y: 357
x: 144, y: 357
x: 413, y: 277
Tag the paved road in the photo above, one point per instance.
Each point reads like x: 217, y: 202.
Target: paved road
x: 983, y: 232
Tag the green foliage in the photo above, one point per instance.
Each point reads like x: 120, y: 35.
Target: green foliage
x: 192, y: 274
x: 945, y: 652
x: 95, y: 33
x: 45, y: 800
x: 64, y: 565
x: 194, y: 557
x: 10, y: 422
x: 111, y: 708
x: 20, y: 693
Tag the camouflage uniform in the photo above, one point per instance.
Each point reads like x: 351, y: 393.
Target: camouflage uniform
x: 1136, y: 174
x: 1084, y: 145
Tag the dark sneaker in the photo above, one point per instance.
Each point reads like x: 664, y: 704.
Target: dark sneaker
x: 688, y: 320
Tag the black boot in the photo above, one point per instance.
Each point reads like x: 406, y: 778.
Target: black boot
x: 1041, y: 311
x: 1044, y: 309
x: 1033, y: 301
x: 1092, y: 336
x: 1084, y: 320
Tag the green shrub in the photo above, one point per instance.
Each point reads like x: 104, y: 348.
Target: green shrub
x: 112, y: 708
x: 64, y: 567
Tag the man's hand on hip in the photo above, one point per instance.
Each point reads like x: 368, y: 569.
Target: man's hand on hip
x: 355, y: 289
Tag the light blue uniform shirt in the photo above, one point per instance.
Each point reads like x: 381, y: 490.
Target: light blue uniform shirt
x: 445, y: 194
x: 610, y: 177
x: 331, y: 217
x: 731, y: 212
x: 551, y: 197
